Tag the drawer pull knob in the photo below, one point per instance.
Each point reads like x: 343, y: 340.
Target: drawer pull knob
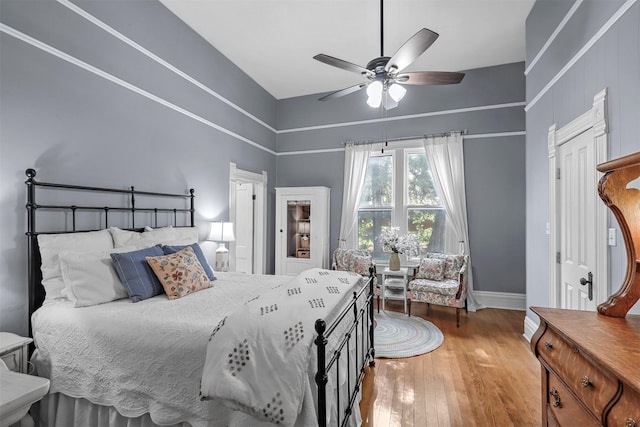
x: 548, y: 345
x: 556, y: 398
x: 631, y: 423
x: 586, y: 382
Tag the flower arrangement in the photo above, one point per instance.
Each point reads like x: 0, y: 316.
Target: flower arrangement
x: 391, y: 242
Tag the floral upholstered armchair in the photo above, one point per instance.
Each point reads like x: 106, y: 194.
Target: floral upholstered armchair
x: 356, y: 260
x: 441, y: 279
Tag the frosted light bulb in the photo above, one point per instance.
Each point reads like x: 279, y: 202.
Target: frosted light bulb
x: 397, y: 92
x: 374, y: 90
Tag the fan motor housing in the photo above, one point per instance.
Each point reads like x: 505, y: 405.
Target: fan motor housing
x: 377, y: 64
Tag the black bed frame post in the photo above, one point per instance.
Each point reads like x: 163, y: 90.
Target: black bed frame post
x: 321, y: 373
x: 133, y: 207
x: 372, y: 347
x: 193, y: 206
x: 32, y: 264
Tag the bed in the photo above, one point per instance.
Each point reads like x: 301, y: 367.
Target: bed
x: 153, y: 362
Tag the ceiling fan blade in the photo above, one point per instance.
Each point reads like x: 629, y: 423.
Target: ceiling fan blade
x: 430, y: 78
x: 411, y: 50
x: 344, y: 92
x: 339, y: 63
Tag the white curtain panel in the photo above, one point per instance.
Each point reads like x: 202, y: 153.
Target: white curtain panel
x: 356, y: 159
x: 446, y: 157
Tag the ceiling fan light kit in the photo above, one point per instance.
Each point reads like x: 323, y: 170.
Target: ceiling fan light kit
x: 385, y: 73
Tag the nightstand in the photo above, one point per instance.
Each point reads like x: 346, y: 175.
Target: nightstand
x: 394, y: 285
x: 14, y: 351
x: 18, y: 391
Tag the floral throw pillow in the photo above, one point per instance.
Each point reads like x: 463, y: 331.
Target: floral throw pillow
x: 359, y: 264
x: 431, y: 268
x: 179, y: 273
x: 355, y: 260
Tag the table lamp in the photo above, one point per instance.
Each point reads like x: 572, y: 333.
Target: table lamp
x: 222, y: 232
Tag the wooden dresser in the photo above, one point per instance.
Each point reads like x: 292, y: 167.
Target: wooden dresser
x: 590, y: 368
x: 591, y: 361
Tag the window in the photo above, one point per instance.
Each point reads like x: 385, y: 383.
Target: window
x: 399, y: 191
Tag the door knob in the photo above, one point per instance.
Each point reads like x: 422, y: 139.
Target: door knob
x: 589, y: 282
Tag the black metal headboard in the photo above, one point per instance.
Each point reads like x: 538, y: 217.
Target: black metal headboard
x: 36, y: 290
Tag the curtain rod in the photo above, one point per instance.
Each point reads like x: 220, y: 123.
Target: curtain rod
x: 403, y: 138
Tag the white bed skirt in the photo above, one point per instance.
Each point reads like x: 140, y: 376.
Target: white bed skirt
x: 59, y: 410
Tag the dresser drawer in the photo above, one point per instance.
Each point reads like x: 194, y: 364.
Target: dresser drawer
x: 626, y: 412
x: 564, y: 407
x: 593, y: 387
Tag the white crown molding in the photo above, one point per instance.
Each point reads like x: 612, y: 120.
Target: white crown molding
x: 88, y: 67
x: 474, y: 136
x: 603, y: 30
x: 553, y: 36
x: 86, y: 15
x: 405, y: 117
x: 75, y: 61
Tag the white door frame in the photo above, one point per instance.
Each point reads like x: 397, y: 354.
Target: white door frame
x: 595, y: 119
x: 260, y: 218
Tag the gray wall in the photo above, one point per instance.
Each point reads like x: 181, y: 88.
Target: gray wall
x: 78, y: 126
x: 612, y: 62
x: 494, y: 166
x: 74, y: 126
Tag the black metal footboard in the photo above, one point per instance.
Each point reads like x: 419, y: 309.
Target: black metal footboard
x: 359, y: 334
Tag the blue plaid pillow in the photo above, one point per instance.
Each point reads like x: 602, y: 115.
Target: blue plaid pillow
x: 135, y: 274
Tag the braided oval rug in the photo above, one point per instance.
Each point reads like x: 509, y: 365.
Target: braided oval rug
x: 397, y: 335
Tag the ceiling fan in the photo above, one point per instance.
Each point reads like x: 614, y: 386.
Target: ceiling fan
x: 384, y: 73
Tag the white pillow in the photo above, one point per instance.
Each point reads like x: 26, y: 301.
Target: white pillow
x: 150, y: 238
x: 89, y: 277
x: 185, y: 235
x: 52, y: 244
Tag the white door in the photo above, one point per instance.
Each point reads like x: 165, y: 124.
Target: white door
x: 577, y: 218
x: 244, y: 227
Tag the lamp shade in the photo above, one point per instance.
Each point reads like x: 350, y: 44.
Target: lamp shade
x: 221, y: 232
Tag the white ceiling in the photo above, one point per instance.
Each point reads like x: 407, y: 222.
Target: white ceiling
x: 274, y: 41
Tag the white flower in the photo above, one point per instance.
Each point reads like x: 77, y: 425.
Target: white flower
x: 391, y: 242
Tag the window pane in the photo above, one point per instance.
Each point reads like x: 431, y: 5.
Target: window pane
x: 378, y: 185
x: 370, y: 222
x: 429, y: 226
x: 420, y: 189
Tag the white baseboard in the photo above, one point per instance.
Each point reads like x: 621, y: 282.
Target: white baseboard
x: 530, y: 327
x: 505, y: 300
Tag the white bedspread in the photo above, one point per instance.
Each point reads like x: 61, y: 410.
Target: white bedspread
x: 148, y: 357
x: 258, y: 358
x: 148, y: 349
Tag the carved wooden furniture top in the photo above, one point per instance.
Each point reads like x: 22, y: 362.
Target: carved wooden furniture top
x: 619, y: 189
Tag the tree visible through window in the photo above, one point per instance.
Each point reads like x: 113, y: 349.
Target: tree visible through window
x: 376, y: 203
x: 399, y: 191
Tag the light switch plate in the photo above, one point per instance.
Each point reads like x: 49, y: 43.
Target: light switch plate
x: 612, y: 237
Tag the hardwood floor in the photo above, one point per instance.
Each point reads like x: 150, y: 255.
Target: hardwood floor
x: 484, y: 374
